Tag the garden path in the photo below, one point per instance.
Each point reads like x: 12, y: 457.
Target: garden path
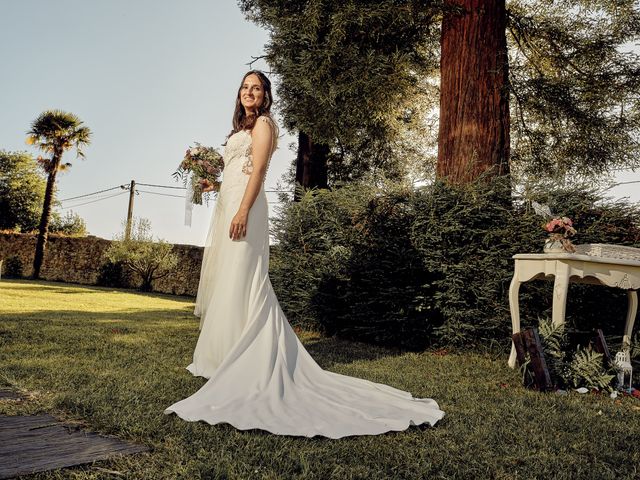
x: 36, y: 443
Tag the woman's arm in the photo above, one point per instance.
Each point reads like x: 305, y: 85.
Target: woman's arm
x: 262, y: 142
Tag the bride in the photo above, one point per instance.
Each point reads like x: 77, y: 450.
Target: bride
x: 259, y: 374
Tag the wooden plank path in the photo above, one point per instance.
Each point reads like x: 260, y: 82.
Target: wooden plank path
x: 8, y: 395
x: 36, y: 443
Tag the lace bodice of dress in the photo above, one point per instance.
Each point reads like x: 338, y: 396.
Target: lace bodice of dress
x: 238, y: 159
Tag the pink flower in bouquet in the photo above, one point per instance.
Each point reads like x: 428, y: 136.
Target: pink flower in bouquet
x: 560, y: 225
x: 553, y: 224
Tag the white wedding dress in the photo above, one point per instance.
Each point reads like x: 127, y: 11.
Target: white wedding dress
x: 260, y: 375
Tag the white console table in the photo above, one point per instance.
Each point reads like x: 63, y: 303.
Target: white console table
x: 573, y: 267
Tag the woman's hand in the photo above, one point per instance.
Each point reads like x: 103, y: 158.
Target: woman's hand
x: 238, y: 227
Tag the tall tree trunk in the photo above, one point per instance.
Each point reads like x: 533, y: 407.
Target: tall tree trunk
x: 45, y: 219
x: 311, y: 164
x: 474, y: 97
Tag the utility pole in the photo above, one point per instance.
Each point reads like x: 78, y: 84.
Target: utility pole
x: 132, y: 192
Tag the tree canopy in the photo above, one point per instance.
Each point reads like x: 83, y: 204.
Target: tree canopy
x: 575, y: 85
x: 22, y: 188
x: 361, y: 76
x: 351, y: 75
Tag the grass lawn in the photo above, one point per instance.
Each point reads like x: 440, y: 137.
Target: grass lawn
x: 115, y: 359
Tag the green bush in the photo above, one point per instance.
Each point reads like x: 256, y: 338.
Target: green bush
x: 114, y: 274
x: 146, y: 259
x: 71, y: 224
x: 345, y: 263
x: 412, y: 267
x: 13, y: 267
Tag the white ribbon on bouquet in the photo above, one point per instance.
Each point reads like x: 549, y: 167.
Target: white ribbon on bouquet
x: 188, y: 203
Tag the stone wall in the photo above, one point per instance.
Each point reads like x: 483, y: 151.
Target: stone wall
x: 78, y: 260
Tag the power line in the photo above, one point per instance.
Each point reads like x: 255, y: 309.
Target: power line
x: 94, y: 201
x: 176, y: 196
x: 161, y: 186
x: 184, y: 188
x: 158, y: 193
x: 126, y: 189
x: 93, y: 193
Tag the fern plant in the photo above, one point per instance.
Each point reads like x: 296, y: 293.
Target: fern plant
x: 554, y: 343
x: 584, y: 369
x: 587, y: 370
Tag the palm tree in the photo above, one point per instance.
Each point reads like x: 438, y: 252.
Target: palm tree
x: 54, y: 132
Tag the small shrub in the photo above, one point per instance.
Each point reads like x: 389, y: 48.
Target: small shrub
x: 147, y: 259
x: 71, y: 225
x: 13, y: 267
x: 115, y: 275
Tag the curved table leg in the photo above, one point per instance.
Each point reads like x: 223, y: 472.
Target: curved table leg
x: 514, y: 306
x: 631, y: 316
x: 560, y: 287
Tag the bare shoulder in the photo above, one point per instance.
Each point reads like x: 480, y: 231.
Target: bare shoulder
x: 266, y: 129
x: 266, y: 120
x: 262, y: 128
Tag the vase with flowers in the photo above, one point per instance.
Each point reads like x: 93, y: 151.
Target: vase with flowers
x: 560, y: 230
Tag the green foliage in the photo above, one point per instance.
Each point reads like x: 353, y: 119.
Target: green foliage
x: 587, y: 370
x: 353, y: 76
x: 54, y: 132
x: 313, y: 240
x: 584, y: 369
x: 409, y: 267
x: 147, y: 259
x: 114, y: 274
x: 71, y: 224
x: 13, y: 267
x: 21, y: 191
x: 554, y: 343
x: 362, y: 76
x: 467, y: 235
x: 574, y: 83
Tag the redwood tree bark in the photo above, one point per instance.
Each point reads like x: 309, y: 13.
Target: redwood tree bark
x: 473, y: 137
x: 311, y: 163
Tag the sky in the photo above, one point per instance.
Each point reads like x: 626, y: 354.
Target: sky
x: 149, y: 78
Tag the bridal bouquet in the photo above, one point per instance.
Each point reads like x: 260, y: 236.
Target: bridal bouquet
x: 199, y: 170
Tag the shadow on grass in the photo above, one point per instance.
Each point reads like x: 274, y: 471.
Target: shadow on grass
x: 71, y: 288
x: 78, y: 317
x: 331, y: 351
x: 326, y: 351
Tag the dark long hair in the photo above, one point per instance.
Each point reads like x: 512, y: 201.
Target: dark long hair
x: 242, y: 121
